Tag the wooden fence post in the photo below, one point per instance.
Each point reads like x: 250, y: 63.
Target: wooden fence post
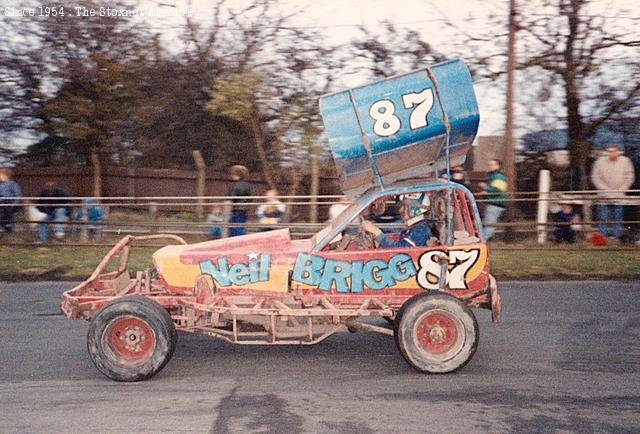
x: 97, y: 173
x: 153, y: 215
x: 200, y: 183
x: 84, y: 218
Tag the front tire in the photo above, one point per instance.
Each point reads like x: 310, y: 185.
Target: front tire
x: 131, y: 339
x: 436, y: 333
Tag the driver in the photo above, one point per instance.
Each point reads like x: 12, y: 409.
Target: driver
x: 416, y: 231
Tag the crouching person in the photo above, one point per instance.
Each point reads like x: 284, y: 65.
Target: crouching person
x: 566, y: 217
x: 56, y: 210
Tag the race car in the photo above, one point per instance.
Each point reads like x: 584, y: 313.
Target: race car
x: 394, y: 142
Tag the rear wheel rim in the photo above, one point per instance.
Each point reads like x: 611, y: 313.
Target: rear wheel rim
x: 129, y: 340
x: 438, y: 335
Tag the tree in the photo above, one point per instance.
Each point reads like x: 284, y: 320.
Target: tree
x: 102, y: 90
x: 588, y: 54
x: 392, y: 51
x: 171, y: 120
x: 20, y: 85
x: 75, y: 83
x: 577, y: 65
x: 271, y: 85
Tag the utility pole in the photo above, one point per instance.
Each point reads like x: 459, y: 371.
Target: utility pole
x: 200, y: 183
x: 315, y: 183
x: 510, y: 153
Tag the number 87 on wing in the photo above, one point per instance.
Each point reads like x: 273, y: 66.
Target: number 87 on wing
x: 397, y: 126
x: 399, y: 112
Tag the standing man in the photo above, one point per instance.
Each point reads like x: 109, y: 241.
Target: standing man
x: 612, y: 174
x: 239, y: 188
x: 55, y: 209
x: 496, y: 194
x: 10, y: 194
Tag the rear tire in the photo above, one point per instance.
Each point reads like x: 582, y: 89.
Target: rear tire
x: 436, y: 333
x: 131, y: 339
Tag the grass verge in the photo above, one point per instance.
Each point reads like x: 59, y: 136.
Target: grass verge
x: 508, y: 261
x: 59, y: 262
x: 563, y: 264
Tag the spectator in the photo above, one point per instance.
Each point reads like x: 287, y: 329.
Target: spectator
x: 611, y: 174
x: 92, y: 213
x: 458, y: 176
x: 9, y: 195
x: 272, y: 211
x: 55, y: 210
x: 496, y: 194
x: 566, y: 216
x: 336, y: 209
x: 215, y: 217
x: 239, y: 188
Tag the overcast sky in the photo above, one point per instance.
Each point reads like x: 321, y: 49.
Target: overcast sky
x: 339, y: 22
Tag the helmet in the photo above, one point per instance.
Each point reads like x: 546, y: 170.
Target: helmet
x: 416, y: 205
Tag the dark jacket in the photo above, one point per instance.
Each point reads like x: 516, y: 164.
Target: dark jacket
x: 238, y: 189
x: 49, y: 206
x: 413, y: 236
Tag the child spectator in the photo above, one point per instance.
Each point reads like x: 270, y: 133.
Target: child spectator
x: 272, y: 211
x: 215, y: 217
x: 92, y: 214
x: 237, y: 190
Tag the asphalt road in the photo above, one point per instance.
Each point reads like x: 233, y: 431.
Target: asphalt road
x: 566, y: 358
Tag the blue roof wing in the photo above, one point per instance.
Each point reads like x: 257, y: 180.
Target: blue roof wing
x: 401, y: 127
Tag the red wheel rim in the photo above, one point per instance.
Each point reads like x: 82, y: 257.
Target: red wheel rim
x: 438, y: 333
x: 130, y: 339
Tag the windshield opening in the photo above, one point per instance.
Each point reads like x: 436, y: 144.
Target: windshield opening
x: 342, y: 219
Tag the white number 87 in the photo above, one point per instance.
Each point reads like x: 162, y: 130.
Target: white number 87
x: 387, y: 123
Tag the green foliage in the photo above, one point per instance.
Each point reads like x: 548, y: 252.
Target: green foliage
x: 236, y: 96
x: 108, y: 84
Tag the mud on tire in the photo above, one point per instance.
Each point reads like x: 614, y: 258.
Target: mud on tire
x: 436, y: 333
x: 131, y: 339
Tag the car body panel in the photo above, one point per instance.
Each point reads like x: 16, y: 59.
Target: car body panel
x: 270, y: 262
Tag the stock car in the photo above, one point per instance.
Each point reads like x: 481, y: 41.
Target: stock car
x: 391, y: 140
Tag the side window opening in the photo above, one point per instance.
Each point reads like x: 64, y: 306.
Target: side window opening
x: 385, y: 213
x: 466, y: 229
